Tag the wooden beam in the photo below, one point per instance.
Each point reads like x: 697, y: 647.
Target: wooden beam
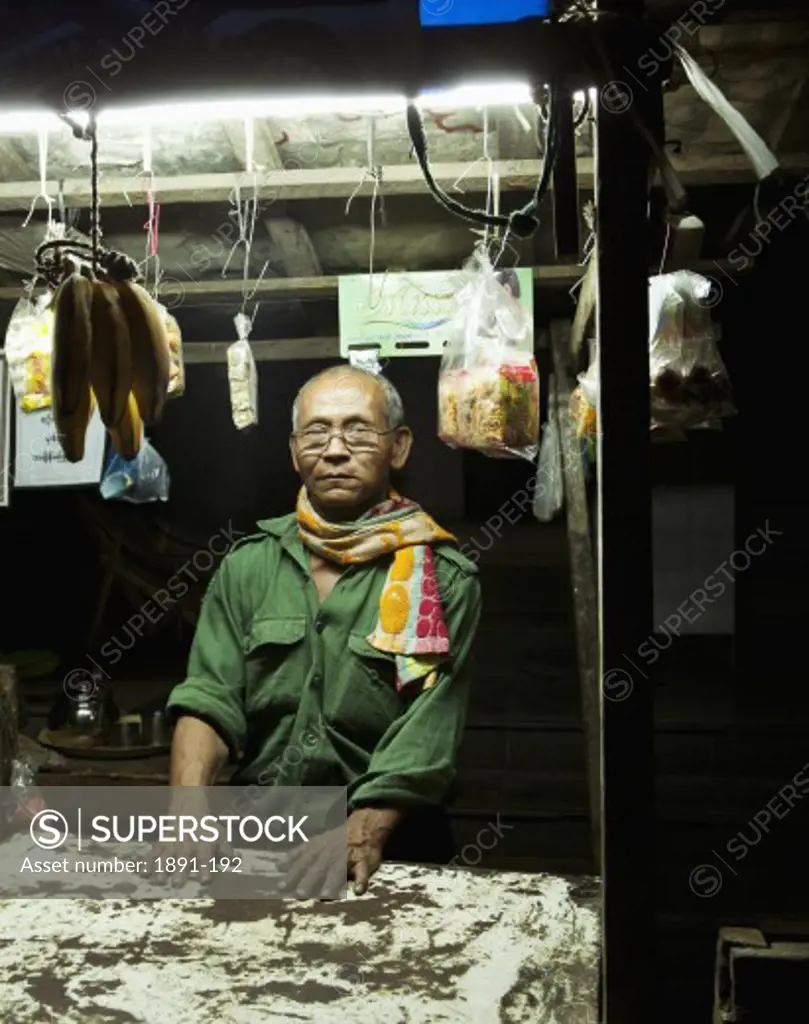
x: 265, y: 153
x: 340, y: 182
x: 187, y: 292
x: 297, y: 255
x: 625, y: 539
x: 294, y: 247
x: 582, y: 573
x: 264, y: 351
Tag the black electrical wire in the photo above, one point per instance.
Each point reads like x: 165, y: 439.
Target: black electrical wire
x: 522, y: 223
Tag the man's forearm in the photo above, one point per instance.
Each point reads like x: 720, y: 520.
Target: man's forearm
x: 197, y: 753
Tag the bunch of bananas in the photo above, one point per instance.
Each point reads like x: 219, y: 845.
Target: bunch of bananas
x: 111, y: 350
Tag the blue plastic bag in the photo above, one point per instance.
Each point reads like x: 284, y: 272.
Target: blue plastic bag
x: 138, y: 481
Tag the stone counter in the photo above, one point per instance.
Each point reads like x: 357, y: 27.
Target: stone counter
x: 424, y: 946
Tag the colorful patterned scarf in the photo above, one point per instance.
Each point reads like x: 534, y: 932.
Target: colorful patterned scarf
x: 411, y: 621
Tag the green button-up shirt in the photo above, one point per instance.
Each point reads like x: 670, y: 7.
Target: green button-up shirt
x: 302, y: 698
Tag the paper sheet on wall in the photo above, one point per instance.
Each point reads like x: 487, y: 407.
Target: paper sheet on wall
x: 6, y: 400
x: 40, y: 461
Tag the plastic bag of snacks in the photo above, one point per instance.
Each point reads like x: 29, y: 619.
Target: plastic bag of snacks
x: 177, y: 371
x: 243, y: 376
x: 584, y: 399
x: 690, y: 385
x: 488, y: 384
x: 138, y: 481
x: 29, y: 346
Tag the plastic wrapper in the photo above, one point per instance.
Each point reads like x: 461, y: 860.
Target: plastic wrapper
x: 243, y: 377
x: 690, y: 385
x: 28, y: 347
x: 488, y: 385
x: 549, y: 492
x: 177, y: 371
x: 366, y: 359
x: 138, y: 481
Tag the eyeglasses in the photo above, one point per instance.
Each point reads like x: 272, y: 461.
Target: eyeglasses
x: 357, y: 437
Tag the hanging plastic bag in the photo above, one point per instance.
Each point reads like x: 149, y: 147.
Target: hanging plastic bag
x: 366, y: 359
x: 488, y: 384
x: 138, y: 481
x: 29, y: 347
x: 690, y: 385
x: 243, y: 376
x: 177, y: 369
x: 549, y: 492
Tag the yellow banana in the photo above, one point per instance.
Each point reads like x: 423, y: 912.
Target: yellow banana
x: 128, y: 435
x: 111, y: 356
x: 71, y: 398
x: 151, y: 359
x: 72, y: 429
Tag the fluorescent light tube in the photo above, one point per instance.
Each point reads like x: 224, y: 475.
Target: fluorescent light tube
x: 482, y: 94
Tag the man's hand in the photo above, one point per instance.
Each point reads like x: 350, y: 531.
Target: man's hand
x: 324, y: 864
x: 368, y: 831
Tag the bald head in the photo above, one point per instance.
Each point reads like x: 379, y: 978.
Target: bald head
x: 343, y: 377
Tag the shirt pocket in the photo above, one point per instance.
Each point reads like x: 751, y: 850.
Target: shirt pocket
x: 366, y: 702
x: 276, y: 664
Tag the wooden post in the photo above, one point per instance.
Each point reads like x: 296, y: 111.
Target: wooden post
x: 625, y: 531
x: 582, y: 575
x: 9, y: 722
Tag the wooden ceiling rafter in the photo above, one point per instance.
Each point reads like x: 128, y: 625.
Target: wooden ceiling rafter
x: 340, y: 182
x: 325, y: 288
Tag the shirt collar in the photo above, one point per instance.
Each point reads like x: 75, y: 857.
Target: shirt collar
x: 286, y: 529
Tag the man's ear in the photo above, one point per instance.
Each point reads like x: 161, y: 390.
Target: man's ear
x: 402, y: 443
x: 294, y: 455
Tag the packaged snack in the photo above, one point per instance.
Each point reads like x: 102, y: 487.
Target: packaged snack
x: 28, y: 347
x: 243, y: 377
x: 177, y: 372
x: 488, y: 385
x: 690, y: 385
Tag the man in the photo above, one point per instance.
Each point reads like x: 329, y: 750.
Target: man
x: 341, y: 632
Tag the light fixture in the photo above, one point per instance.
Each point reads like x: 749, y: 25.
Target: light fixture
x: 482, y: 94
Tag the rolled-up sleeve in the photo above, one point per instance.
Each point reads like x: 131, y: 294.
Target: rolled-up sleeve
x: 214, y: 687
x: 413, y: 765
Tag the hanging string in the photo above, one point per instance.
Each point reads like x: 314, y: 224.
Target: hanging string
x: 60, y: 202
x: 249, y: 143
x: 152, y: 225
x: 665, y: 254
x: 95, y: 211
x: 246, y: 215
x: 489, y: 173
x: 371, y: 173
x: 57, y: 256
x: 43, y: 180
x: 250, y: 166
